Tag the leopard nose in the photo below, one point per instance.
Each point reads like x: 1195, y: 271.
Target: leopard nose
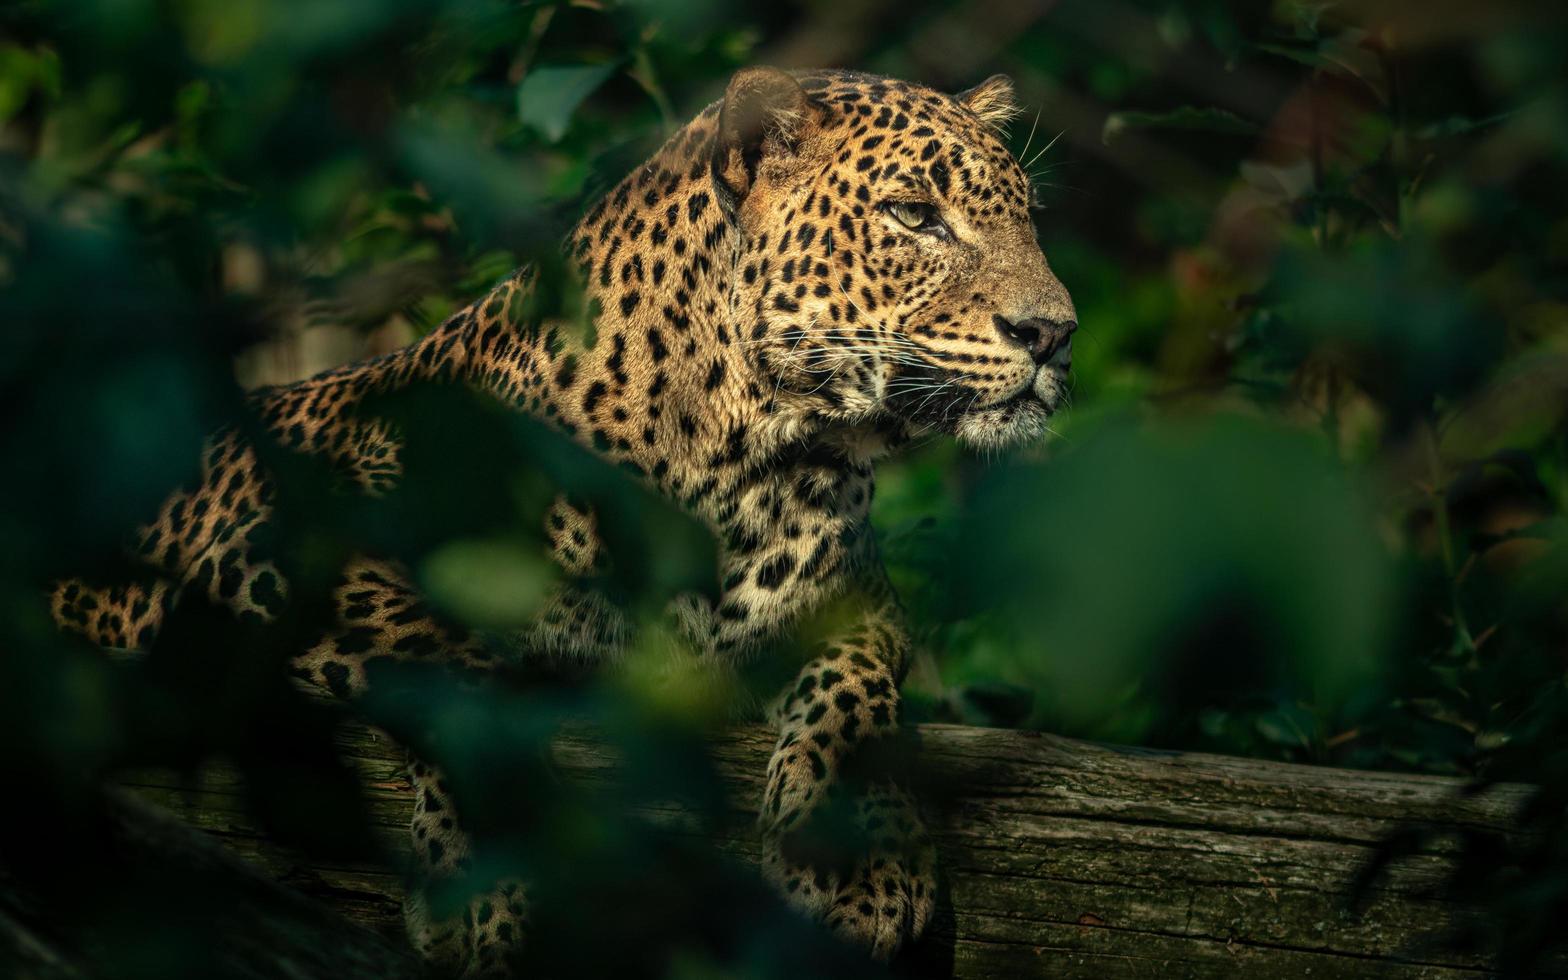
x: 1042, y: 338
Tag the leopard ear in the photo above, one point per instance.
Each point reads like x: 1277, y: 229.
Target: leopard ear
x: 764, y: 111
x: 992, y: 100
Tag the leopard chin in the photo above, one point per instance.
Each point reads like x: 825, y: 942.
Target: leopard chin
x: 1013, y: 423
x: 1019, y: 420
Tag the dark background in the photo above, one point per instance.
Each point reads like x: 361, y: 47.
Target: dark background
x: 1307, y: 502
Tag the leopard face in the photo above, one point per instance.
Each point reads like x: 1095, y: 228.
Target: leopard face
x: 889, y: 262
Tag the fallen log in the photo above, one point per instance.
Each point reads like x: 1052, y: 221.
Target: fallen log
x: 1060, y: 858
x: 260, y: 931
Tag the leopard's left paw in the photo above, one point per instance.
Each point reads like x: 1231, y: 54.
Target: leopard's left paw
x: 483, y: 943
x: 883, y: 898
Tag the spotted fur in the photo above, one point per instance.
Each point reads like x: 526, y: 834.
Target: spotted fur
x: 812, y: 271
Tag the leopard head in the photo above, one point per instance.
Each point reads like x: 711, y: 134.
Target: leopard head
x: 887, y: 262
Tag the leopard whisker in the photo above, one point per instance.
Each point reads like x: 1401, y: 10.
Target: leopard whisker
x: 1035, y: 125
x: 1043, y: 150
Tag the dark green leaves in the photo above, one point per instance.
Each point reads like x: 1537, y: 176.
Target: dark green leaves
x: 549, y: 96
x: 1172, y: 564
x: 1204, y: 120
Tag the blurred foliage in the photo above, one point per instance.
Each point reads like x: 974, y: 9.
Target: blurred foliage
x: 1308, y: 503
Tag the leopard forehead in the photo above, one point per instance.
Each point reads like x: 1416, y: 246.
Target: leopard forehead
x: 921, y: 139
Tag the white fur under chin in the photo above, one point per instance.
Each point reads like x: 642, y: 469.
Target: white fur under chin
x: 1012, y: 424
x: 999, y: 428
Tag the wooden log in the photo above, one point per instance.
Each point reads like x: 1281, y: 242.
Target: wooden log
x: 1060, y: 858
x: 259, y: 931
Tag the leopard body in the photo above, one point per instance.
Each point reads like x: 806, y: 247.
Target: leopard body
x: 815, y: 269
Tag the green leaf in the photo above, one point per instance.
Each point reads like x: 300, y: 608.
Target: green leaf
x: 1208, y: 120
x: 1256, y: 566
x: 1345, y: 54
x: 487, y: 583
x: 1308, y: 56
x: 548, y: 96
x: 1461, y: 125
x: 23, y: 72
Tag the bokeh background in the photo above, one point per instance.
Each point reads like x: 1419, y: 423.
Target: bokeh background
x: 1307, y: 502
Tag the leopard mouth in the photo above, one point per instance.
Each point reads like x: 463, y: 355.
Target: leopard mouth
x: 1045, y: 389
x: 956, y: 409
x: 1050, y: 388
x: 1014, y: 421
x: 1025, y: 404
x: 1023, y: 397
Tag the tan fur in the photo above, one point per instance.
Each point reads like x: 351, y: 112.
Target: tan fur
x: 992, y: 101
x: 768, y: 330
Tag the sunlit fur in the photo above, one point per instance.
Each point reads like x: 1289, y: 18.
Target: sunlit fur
x: 767, y: 329
x: 848, y: 305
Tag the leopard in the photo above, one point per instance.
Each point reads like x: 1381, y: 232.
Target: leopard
x: 817, y: 269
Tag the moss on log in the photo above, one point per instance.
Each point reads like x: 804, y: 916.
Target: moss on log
x: 1060, y: 858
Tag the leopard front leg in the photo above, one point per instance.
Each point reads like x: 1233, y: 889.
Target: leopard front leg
x: 381, y: 618
x: 481, y: 939
x: 881, y: 892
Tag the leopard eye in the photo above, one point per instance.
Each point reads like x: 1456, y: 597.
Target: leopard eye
x: 917, y: 217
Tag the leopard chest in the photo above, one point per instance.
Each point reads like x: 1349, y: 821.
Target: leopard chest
x: 788, y: 537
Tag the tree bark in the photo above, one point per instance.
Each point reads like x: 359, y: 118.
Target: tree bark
x: 1059, y: 858
x: 261, y: 930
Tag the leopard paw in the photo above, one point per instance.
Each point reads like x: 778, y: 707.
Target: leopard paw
x: 880, y: 898
x: 482, y: 943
